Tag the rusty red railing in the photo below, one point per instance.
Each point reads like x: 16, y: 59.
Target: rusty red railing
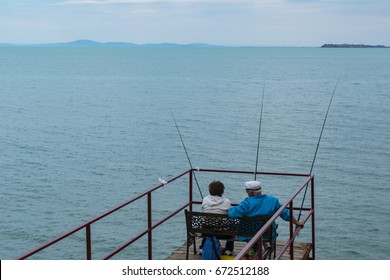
x: 309, y: 182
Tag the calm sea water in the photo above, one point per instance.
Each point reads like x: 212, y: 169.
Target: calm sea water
x: 84, y: 129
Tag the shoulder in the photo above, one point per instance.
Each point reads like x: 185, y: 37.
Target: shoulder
x: 226, y: 203
x: 269, y: 197
x: 206, y: 201
x: 272, y: 201
x: 246, y: 202
x: 226, y: 200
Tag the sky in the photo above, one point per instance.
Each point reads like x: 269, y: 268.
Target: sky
x: 220, y: 22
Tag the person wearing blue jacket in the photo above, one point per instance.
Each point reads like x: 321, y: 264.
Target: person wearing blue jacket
x: 258, y: 204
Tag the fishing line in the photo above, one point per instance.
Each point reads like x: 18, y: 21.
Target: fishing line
x: 258, y: 136
x: 318, y: 144
x: 185, y: 150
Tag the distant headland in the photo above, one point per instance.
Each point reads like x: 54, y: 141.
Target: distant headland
x: 95, y: 44
x: 352, y: 46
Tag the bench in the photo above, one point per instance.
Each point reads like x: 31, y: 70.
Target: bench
x: 200, y: 224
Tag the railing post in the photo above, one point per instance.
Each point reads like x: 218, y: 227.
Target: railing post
x: 190, y: 190
x: 260, y: 248
x: 150, y: 255
x: 88, y: 241
x: 291, y: 231
x: 313, y: 240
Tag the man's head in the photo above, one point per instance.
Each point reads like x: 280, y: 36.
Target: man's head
x: 253, y: 188
x: 216, y: 188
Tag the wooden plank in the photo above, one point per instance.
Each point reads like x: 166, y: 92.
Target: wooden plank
x: 301, y: 251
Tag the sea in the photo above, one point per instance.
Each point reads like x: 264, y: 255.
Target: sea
x: 84, y: 129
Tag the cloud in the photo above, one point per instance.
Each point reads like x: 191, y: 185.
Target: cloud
x: 103, y: 2
x: 236, y: 2
x: 108, y: 2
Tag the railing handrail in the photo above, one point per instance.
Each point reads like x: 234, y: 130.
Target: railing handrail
x: 251, y: 172
x: 151, y: 226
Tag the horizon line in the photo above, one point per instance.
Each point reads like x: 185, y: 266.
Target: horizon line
x: 86, y: 42
x: 93, y: 43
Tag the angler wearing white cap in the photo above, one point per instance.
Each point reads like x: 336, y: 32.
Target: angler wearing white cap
x: 258, y: 204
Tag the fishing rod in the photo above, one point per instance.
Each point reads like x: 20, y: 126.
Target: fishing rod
x: 318, y: 144
x: 258, y: 136
x: 185, y: 150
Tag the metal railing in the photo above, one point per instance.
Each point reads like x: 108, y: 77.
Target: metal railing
x: 148, y: 231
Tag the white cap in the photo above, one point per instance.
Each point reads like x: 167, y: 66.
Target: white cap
x: 253, y: 185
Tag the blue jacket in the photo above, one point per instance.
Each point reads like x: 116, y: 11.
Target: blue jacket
x: 258, y: 205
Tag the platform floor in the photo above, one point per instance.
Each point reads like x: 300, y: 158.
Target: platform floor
x: 301, y: 251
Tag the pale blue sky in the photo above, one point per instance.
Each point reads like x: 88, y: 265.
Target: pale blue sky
x: 223, y: 22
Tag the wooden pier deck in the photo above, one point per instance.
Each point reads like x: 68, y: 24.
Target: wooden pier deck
x: 301, y: 251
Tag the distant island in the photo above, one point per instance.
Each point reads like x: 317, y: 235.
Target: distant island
x: 95, y: 44
x: 351, y: 46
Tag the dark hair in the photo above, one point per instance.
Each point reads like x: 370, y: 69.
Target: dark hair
x: 216, y: 188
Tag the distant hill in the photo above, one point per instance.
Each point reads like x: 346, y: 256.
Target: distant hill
x: 351, y: 46
x: 95, y: 44
x: 87, y: 43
